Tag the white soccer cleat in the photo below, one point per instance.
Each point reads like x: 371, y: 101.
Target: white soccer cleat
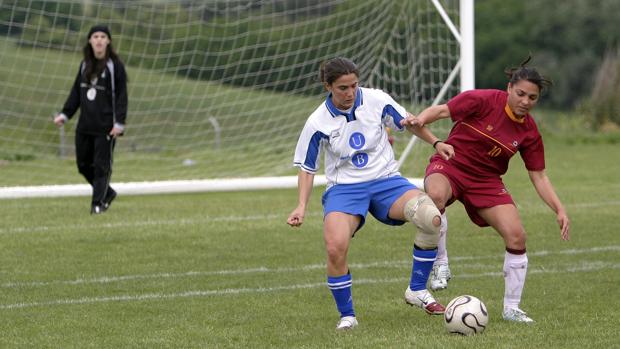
x: 346, y: 323
x: 516, y: 315
x: 440, y: 275
x: 424, y: 300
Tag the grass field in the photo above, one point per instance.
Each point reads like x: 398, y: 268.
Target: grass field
x: 224, y: 270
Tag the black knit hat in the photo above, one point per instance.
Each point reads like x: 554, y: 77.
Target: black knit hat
x: 99, y: 28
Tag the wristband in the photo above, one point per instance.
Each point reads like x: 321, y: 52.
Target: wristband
x: 435, y: 144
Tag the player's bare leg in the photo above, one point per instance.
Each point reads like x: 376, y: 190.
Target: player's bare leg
x: 337, y: 231
x: 506, y: 221
x: 440, y: 275
x: 420, y: 210
x: 438, y: 187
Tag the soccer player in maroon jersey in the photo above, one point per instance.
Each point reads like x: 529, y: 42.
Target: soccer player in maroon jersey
x: 490, y: 126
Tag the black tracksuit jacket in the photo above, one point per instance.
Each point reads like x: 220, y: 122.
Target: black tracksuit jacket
x: 96, y: 116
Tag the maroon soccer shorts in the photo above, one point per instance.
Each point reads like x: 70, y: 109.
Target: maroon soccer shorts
x: 473, y: 191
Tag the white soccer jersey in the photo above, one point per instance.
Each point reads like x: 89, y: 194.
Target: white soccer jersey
x: 356, y: 144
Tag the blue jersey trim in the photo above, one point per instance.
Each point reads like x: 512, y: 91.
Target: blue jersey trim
x: 313, y: 150
x: 390, y: 111
x: 336, y: 112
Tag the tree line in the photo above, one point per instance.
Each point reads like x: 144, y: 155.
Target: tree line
x: 573, y: 42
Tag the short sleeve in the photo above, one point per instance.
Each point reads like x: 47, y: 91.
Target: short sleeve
x: 466, y: 104
x: 533, y: 152
x: 392, y: 113
x: 308, y: 148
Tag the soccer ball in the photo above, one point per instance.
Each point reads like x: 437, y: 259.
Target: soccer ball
x: 466, y: 315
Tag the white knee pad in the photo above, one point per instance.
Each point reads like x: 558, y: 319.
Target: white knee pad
x: 421, y: 211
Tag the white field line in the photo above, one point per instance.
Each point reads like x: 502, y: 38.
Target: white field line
x: 219, y: 219
x: 231, y: 291
x: 258, y: 270
x: 149, y: 223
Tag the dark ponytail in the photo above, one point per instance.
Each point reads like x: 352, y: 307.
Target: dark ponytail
x: 522, y: 72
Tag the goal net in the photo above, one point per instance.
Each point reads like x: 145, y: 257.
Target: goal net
x: 217, y: 89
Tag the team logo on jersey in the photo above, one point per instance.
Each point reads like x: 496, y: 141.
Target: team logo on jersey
x: 91, y: 94
x: 357, y: 140
x: 489, y: 128
x: 334, y: 134
x: 360, y: 160
x: 515, y: 143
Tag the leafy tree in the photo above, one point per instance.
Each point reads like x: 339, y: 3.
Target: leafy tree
x: 501, y: 40
x: 567, y: 39
x: 604, y: 104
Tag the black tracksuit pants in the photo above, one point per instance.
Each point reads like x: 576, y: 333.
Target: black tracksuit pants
x: 94, y: 161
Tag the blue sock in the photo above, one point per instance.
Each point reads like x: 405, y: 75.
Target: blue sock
x: 341, y: 290
x: 422, y: 264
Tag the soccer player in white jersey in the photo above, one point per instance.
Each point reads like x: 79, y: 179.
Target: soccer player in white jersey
x: 349, y: 128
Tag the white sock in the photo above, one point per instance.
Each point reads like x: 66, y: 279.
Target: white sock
x: 515, y: 269
x: 442, y: 251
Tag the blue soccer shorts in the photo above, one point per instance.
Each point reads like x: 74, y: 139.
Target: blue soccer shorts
x: 376, y: 197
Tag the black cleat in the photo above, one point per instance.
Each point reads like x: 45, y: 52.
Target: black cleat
x: 108, y: 199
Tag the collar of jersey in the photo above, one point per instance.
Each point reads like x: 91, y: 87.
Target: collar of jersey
x: 512, y: 116
x: 336, y: 112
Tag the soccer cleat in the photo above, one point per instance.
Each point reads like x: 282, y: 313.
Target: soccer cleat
x: 346, y: 323
x: 440, y: 275
x: 516, y: 315
x: 424, y: 300
x: 108, y: 199
x: 96, y: 209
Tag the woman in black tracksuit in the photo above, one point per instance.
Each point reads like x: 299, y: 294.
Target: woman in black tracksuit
x: 100, y: 92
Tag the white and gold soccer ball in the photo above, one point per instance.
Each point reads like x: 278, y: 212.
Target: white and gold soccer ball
x: 466, y: 315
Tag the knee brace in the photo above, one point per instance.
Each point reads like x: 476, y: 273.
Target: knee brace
x: 421, y: 211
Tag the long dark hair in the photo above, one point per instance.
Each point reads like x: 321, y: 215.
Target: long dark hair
x: 516, y: 74
x: 93, y: 67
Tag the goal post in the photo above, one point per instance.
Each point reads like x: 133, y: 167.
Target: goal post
x: 465, y: 64
x: 218, y: 90
x: 467, y: 43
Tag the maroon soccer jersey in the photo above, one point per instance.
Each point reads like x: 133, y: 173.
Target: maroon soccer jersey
x: 486, y: 134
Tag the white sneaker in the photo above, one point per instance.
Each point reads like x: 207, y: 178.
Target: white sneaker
x: 346, y: 323
x: 424, y: 300
x: 440, y: 275
x: 516, y: 315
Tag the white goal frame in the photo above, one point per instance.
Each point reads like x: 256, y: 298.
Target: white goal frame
x: 464, y: 66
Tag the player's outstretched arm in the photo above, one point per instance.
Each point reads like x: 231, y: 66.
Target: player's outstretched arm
x: 428, y: 115
x: 305, y: 181
x: 418, y: 128
x: 545, y: 190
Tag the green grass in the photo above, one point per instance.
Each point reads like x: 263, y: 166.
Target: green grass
x: 224, y: 270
